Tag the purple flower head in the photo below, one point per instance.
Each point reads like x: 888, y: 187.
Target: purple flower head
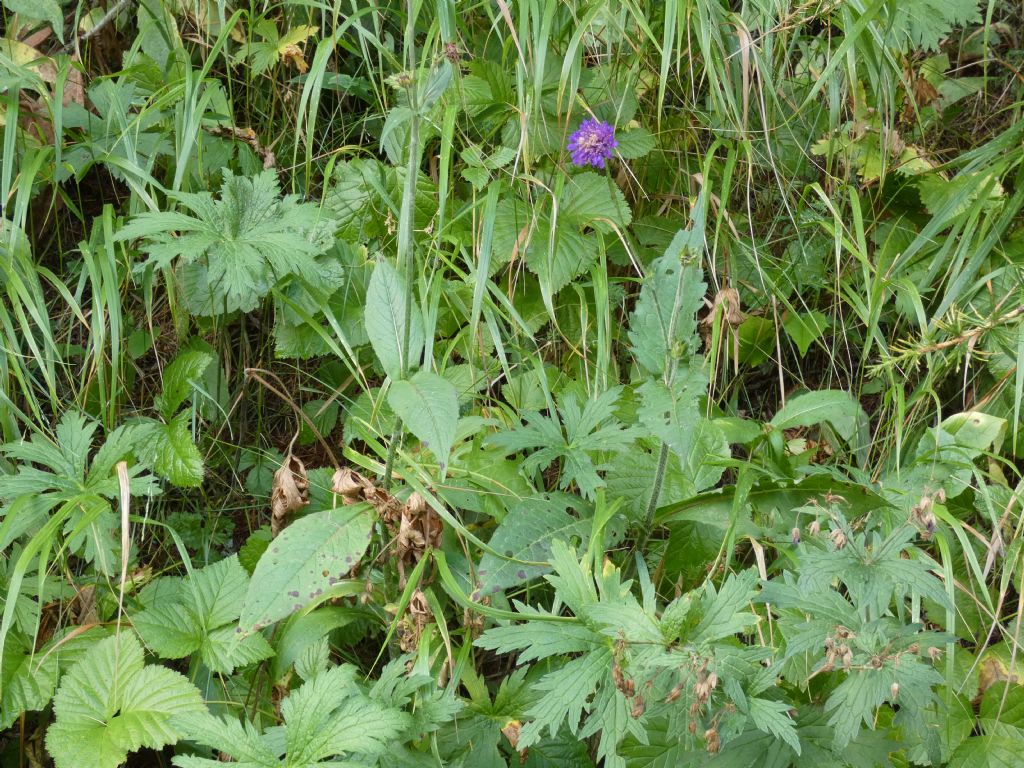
x: 593, y: 143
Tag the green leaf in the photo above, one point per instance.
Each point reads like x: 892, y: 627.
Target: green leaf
x: 326, y: 717
x: 565, y: 693
x: 386, y: 319
x: 306, y: 560
x: 773, y: 717
x: 429, y: 406
x: 672, y: 413
x: 111, y: 704
x: 202, y: 618
x: 663, y: 325
x: 524, y: 537
x: 835, y: 407
x: 987, y: 752
x: 180, y: 378
x: 634, y: 144
x: 170, y: 451
x: 233, y: 250
x: 43, y: 10
x: 805, y: 328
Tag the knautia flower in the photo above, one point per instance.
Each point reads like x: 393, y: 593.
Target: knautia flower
x: 593, y: 143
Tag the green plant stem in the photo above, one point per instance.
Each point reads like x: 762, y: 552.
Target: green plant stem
x: 406, y: 220
x: 652, y: 505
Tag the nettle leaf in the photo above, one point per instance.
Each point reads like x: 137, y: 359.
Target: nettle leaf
x: 385, y: 318
x: 230, y: 252
x: 305, y: 561
x: 524, y: 537
x: 111, y: 704
x: 203, y: 619
x: 429, y: 406
x: 170, y: 450
x: 180, y: 378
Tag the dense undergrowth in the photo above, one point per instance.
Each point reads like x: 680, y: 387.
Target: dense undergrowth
x: 535, y: 383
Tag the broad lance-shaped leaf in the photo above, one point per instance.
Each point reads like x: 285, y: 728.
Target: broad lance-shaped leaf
x: 663, y: 325
x: 309, y: 557
x: 429, y: 407
x: 111, y: 703
x: 385, y: 319
x: 526, y: 534
x: 672, y: 413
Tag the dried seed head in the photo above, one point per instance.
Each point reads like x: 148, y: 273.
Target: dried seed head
x: 416, y: 504
x: 847, y: 659
x: 451, y: 52
x: 639, y: 707
x: 894, y: 690
x: 934, y: 653
x: 674, y: 694
x: 712, y: 742
x: 814, y: 528
x: 838, y: 538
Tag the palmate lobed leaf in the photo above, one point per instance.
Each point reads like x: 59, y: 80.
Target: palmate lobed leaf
x: 234, y: 249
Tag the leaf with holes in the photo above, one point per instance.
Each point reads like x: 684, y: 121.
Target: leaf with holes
x: 309, y: 557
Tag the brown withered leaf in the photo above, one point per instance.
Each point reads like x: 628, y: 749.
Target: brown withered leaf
x: 292, y: 54
x: 290, y: 492
x: 511, y: 731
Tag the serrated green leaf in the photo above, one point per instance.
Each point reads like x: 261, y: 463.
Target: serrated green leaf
x: 170, y: 450
x: 429, y: 406
x: 663, y: 324
x: 309, y: 556
x: 111, y: 704
x: 565, y: 694
x: 773, y: 717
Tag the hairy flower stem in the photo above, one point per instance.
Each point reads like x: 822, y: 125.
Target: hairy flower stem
x: 652, y: 505
x: 406, y: 220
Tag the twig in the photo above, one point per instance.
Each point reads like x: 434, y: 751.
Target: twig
x: 108, y: 17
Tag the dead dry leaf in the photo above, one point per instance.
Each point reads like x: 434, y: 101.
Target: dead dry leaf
x: 290, y: 492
